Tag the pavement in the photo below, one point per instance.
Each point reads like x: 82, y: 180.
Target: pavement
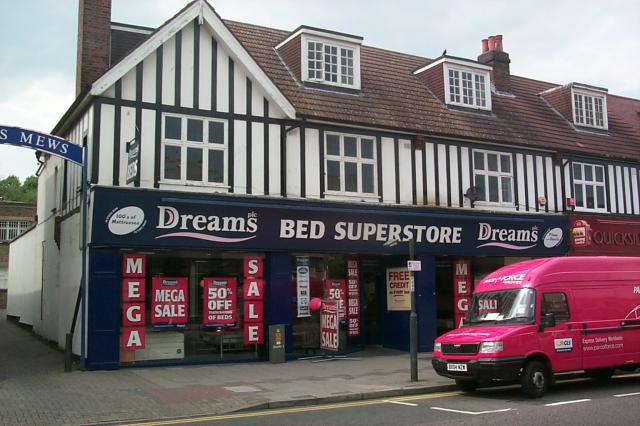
x: 35, y: 390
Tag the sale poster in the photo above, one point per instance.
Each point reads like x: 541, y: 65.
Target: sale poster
x: 353, y: 298
x: 133, y: 298
x: 169, y: 301
x: 329, y: 325
x: 398, y: 289
x: 336, y: 290
x: 220, y: 301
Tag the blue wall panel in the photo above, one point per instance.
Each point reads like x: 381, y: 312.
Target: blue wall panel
x: 103, y: 310
x: 279, y: 297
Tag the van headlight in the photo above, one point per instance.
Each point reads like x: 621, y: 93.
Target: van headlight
x: 437, y: 347
x: 490, y: 347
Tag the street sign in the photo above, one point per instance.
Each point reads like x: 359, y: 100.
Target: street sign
x: 414, y: 265
x: 41, y: 142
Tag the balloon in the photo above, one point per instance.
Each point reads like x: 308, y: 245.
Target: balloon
x: 315, y: 303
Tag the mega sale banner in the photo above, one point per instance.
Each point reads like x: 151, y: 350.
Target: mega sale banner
x: 329, y: 326
x: 220, y: 301
x: 169, y: 301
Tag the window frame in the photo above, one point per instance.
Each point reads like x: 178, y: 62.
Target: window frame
x: 593, y: 95
x: 205, y: 146
x: 475, y: 73
x: 13, y: 228
x: 594, y: 183
x: 499, y: 174
x: 342, y: 159
x: 340, y: 47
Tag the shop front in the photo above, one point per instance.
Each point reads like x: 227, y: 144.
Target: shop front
x: 188, y: 278
x: 604, y: 236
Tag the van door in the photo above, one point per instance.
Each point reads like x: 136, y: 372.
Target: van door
x: 562, y: 343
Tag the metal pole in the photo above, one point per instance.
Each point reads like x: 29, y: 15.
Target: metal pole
x: 83, y: 277
x: 413, y: 324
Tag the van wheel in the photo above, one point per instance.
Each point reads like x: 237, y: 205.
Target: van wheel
x: 467, y: 385
x: 535, y: 379
x: 601, y: 375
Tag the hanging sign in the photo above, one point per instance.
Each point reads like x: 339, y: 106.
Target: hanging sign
x: 169, y: 301
x: 41, y: 142
x: 220, y: 301
x: 336, y: 290
x: 398, y: 289
x: 353, y: 298
x: 303, y: 287
x: 133, y: 161
x: 462, y: 289
x: 329, y: 326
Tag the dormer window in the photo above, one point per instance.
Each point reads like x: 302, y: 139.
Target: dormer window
x: 330, y: 63
x: 589, y: 109
x: 458, y: 82
x: 467, y: 87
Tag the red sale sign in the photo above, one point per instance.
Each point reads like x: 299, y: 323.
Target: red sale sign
x: 133, y: 289
x: 220, y: 301
x: 252, y: 267
x: 169, y: 301
x: 336, y: 290
x: 253, y: 333
x: 134, y: 265
x: 132, y: 338
x: 462, y: 289
x: 329, y: 326
x: 133, y: 315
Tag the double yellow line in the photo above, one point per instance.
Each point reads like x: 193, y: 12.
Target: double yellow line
x: 290, y: 410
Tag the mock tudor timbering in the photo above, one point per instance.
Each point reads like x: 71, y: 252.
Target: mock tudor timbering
x: 236, y: 113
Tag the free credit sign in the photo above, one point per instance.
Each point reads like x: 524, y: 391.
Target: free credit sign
x: 41, y: 142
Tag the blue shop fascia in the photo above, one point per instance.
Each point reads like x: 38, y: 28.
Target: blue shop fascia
x: 180, y: 277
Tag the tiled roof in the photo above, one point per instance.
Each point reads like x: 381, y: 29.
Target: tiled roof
x: 392, y: 97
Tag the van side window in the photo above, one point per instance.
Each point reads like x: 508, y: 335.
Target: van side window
x: 555, y: 303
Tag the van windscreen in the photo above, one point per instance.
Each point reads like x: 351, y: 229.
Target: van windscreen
x: 502, y: 307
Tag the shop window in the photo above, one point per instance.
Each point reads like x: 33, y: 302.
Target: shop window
x: 323, y: 278
x: 193, y: 309
x: 194, y: 150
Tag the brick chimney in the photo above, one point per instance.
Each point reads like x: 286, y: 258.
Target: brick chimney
x: 493, y: 55
x: 94, y: 41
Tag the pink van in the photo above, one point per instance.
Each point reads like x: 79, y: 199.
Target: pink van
x: 530, y: 320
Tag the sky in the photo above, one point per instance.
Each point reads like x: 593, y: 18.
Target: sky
x: 558, y: 41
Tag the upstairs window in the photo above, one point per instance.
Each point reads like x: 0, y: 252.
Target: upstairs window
x: 589, y: 110
x: 350, y: 165
x: 588, y: 186
x: 467, y: 87
x: 331, y: 63
x: 493, y: 177
x: 194, y: 150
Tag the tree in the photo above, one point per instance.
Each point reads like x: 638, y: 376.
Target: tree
x: 12, y: 190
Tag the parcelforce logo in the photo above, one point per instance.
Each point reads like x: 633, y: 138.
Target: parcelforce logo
x: 207, y: 228
x: 507, y: 238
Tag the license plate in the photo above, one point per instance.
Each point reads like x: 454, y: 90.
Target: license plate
x: 456, y: 367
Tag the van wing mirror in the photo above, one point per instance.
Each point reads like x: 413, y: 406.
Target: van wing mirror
x: 549, y: 320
